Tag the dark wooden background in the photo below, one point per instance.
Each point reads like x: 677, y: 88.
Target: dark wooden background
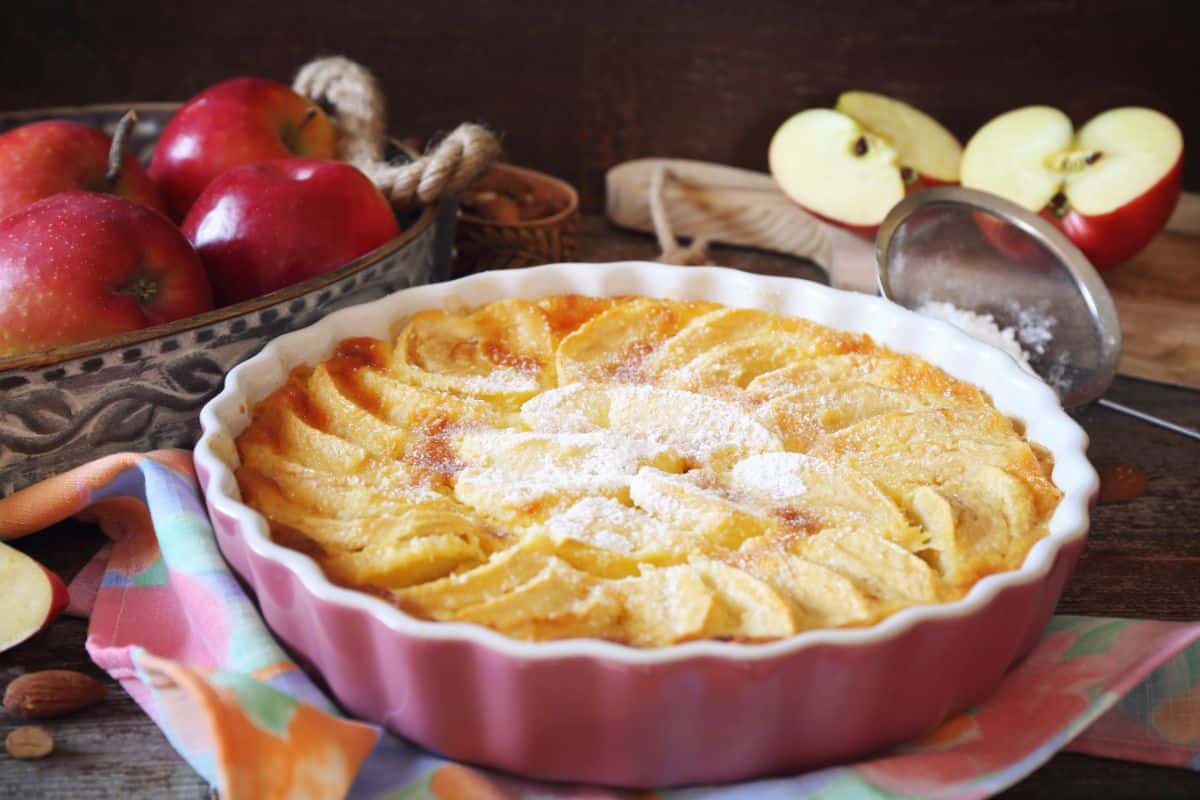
x: 578, y: 85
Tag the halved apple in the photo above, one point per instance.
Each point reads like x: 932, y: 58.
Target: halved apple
x: 30, y: 597
x: 850, y: 165
x: 1110, y: 186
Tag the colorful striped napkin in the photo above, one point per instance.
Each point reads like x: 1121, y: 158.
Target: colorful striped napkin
x: 172, y: 624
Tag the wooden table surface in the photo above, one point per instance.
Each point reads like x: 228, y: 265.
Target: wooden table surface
x: 1142, y: 560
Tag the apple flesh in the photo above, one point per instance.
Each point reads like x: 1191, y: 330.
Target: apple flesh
x: 240, y: 121
x: 1110, y: 187
x: 852, y: 164
x: 31, y: 596
x: 47, y: 158
x: 80, y: 266
x: 262, y: 227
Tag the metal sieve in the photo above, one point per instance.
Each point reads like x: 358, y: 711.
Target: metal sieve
x: 987, y: 255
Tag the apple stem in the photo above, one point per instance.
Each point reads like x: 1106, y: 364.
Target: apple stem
x: 309, y: 114
x: 116, y: 151
x: 291, y: 135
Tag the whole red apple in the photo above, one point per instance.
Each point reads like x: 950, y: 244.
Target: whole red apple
x: 46, y: 158
x: 80, y: 266
x: 240, y: 121
x: 262, y: 227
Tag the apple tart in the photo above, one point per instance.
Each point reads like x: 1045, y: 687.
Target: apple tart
x: 641, y: 470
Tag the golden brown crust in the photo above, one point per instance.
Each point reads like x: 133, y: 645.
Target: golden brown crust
x: 642, y: 471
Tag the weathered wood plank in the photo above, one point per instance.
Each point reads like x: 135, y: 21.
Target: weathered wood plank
x: 108, y: 751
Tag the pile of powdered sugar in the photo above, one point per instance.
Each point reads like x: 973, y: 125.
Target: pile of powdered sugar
x: 1031, y: 334
x: 771, y: 474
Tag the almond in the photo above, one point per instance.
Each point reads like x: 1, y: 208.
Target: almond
x: 30, y: 741
x: 52, y: 693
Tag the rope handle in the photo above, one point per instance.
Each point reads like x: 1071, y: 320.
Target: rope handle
x: 693, y: 255
x: 352, y: 95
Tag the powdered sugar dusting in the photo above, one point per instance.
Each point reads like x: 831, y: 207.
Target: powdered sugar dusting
x: 699, y: 426
x: 771, y: 474
x: 1035, y: 326
x: 574, y: 407
x: 501, y: 379
x: 984, y: 328
x: 529, y: 463
x: 607, y: 524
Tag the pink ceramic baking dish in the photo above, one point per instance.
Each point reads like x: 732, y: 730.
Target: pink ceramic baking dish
x: 593, y: 711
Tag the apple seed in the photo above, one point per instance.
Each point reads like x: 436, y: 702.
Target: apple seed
x: 1058, y: 204
x: 860, y: 146
x: 908, y: 175
x: 1093, y: 158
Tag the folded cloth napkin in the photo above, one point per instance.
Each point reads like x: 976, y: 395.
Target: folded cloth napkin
x: 172, y: 624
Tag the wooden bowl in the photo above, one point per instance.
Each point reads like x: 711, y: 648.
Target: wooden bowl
x: 143, y: 390
x: 484, y: 243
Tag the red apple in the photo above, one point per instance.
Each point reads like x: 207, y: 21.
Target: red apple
x: 1110, y: 187
x: 79, y: 266
x: 262, y: 227
x: 31, y: 596
x: 850, y: 165
x: 45, y: 158
x: 241, y: 121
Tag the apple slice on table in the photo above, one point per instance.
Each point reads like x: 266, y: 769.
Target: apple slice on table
x: 1110, y: 187
x: 31, y: 596
x: 850, y: 165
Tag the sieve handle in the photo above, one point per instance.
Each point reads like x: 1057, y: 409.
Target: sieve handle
x: 1153, y: 420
